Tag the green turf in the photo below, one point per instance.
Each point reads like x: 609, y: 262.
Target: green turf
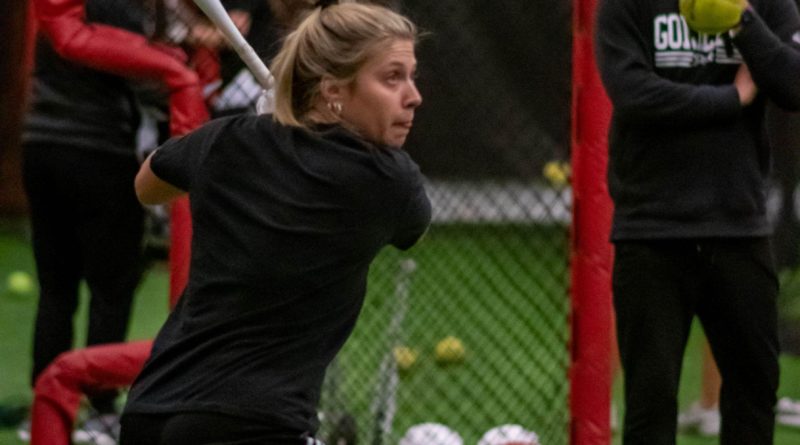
x: 501, y: 289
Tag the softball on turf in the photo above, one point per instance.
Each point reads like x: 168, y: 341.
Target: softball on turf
x: 449, y: 351
x: 557, y: 173
x: 19, y: 282
x: 509, y: 435
x: 431, y: 434
x: 405, y: 357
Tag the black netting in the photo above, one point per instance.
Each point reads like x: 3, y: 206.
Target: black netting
x: 784, y: 211
x: 496, y: 88
x: 492, y: 271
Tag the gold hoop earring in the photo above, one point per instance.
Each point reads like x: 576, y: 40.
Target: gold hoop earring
x: 336, y: 107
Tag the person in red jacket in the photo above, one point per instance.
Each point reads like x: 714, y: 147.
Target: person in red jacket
x: 79, y: 141
x: 79, y: 162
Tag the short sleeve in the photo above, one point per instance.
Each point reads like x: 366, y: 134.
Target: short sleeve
x: 416, y: 217
x: 178, y: 160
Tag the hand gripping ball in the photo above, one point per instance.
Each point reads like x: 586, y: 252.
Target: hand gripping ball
x: 712, y: 16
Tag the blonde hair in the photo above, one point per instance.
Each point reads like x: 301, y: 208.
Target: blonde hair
x: 334, y: 40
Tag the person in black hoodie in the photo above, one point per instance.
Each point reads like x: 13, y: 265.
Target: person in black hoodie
x: 688, y: 164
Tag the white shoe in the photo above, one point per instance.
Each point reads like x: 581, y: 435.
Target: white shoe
x: 788, y: 412
x: 614, y: 423
x: 24, y: 430
x: 788, y: 406
x: 98, y: 430
x: 699, y: 420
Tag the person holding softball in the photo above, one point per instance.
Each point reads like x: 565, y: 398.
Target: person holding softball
x: 688, y: 161
x: 288, y: 210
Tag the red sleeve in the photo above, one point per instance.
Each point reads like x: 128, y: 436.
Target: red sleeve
x: 123, y: 53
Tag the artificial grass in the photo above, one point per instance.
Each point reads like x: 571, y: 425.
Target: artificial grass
x: 502, y: 289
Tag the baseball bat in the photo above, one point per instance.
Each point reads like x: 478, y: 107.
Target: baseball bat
x: 385, y: 403
x: 214, y: 10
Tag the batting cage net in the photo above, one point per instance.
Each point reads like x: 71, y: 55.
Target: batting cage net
x: 465, y: 337
x: 784, y: 212
x: 468, y: 331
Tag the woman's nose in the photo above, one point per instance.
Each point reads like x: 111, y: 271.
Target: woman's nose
x: 413, y: 98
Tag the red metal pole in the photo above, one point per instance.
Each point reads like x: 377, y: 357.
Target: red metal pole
x: 592, y: 254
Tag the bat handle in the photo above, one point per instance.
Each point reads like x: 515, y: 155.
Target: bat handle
x: 255, y: 64
x: 216, y: 12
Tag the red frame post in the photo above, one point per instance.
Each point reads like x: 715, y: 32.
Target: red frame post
x: 591, y: 259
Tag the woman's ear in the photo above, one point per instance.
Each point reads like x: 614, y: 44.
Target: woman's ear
x: 330, y: 89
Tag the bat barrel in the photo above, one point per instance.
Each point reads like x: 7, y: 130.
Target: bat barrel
x: 214, y: 10
x: 255, y: 64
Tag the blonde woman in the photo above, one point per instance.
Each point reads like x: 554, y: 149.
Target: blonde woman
x: 289, y: 211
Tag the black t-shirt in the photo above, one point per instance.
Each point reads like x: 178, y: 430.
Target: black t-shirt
x: 285, y: 225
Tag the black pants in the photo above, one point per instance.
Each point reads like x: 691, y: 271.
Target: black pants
x: 202, y: 429
x: 86, y: 224
x: 730, y: 284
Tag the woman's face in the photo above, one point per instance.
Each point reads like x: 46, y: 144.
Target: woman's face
x: 380, y: 102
